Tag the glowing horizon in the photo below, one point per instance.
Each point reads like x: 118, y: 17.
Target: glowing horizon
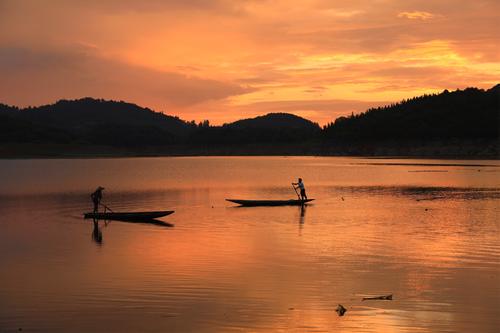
x: 223, y: 60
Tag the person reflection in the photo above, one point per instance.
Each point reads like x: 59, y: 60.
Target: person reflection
x: 97, y: 233
x: 302, y: 215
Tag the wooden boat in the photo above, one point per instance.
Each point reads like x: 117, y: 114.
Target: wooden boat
x: 291, y: 202
x: 128, y: 216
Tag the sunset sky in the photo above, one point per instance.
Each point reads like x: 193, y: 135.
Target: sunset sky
x: 224, y: 60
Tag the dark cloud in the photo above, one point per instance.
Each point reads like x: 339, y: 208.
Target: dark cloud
x: 133, y: 5
x: 34, y: 77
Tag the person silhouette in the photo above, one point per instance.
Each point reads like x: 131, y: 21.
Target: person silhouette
x: 300, y: 185
x: 96, y: 198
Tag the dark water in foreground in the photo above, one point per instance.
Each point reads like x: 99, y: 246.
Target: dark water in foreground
x: 426, y: 231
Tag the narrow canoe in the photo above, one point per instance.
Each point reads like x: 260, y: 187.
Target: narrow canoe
x: 291, y: 202
x: 128, y: 216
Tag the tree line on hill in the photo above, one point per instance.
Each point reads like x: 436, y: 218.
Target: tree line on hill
x: 463, y: 114
x: 95, y: 121
x: 470, y: 115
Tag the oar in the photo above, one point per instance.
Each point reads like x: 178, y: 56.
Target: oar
x: 106, y: 207
x: 295, y: 189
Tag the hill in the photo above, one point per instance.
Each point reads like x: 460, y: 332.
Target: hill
x: 463, y: 114
x: 273, y: 128
x: 459, y: 123
x: 275, y: 121
x: 93, y: 121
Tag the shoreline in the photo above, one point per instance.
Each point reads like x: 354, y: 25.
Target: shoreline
x: 373, y: 157
x: 443, y: 149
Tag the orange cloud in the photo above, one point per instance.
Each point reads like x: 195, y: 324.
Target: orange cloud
x: 224, y: 60
x: 417, y: 15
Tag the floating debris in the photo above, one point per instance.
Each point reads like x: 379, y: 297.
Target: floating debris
x: 342, y: 198
x: 340, y: 310
x: 291, y: 309
x: 383, y: 297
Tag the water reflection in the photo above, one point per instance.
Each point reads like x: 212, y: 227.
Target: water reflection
x: 302, y: 210
x: 97, y: 233
x: 302, y: 215
x: 228, y: 270
x: 155, y: 222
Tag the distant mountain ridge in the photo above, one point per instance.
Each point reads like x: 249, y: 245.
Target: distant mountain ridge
x: 98, y: 121
x: 274, y: 121
x: 451, y: 119
x: 273, y: 128
x: 117, y: 123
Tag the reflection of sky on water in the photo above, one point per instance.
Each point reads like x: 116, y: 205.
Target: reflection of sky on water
x: 146, y: 174
x: 435, y: 247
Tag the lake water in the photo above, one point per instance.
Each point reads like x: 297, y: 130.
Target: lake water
x: 425, y: 231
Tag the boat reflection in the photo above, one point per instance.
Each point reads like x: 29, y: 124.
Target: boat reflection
x: 97, y: 232
x: 154, y: 222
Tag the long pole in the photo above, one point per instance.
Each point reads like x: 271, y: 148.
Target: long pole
x: 107, y: 207
x: 295, y: 189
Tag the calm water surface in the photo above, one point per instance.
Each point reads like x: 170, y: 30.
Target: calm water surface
x: 426, y: 231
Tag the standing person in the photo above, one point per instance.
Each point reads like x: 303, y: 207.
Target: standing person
x: 300, y: 185
x: 96, y: 198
